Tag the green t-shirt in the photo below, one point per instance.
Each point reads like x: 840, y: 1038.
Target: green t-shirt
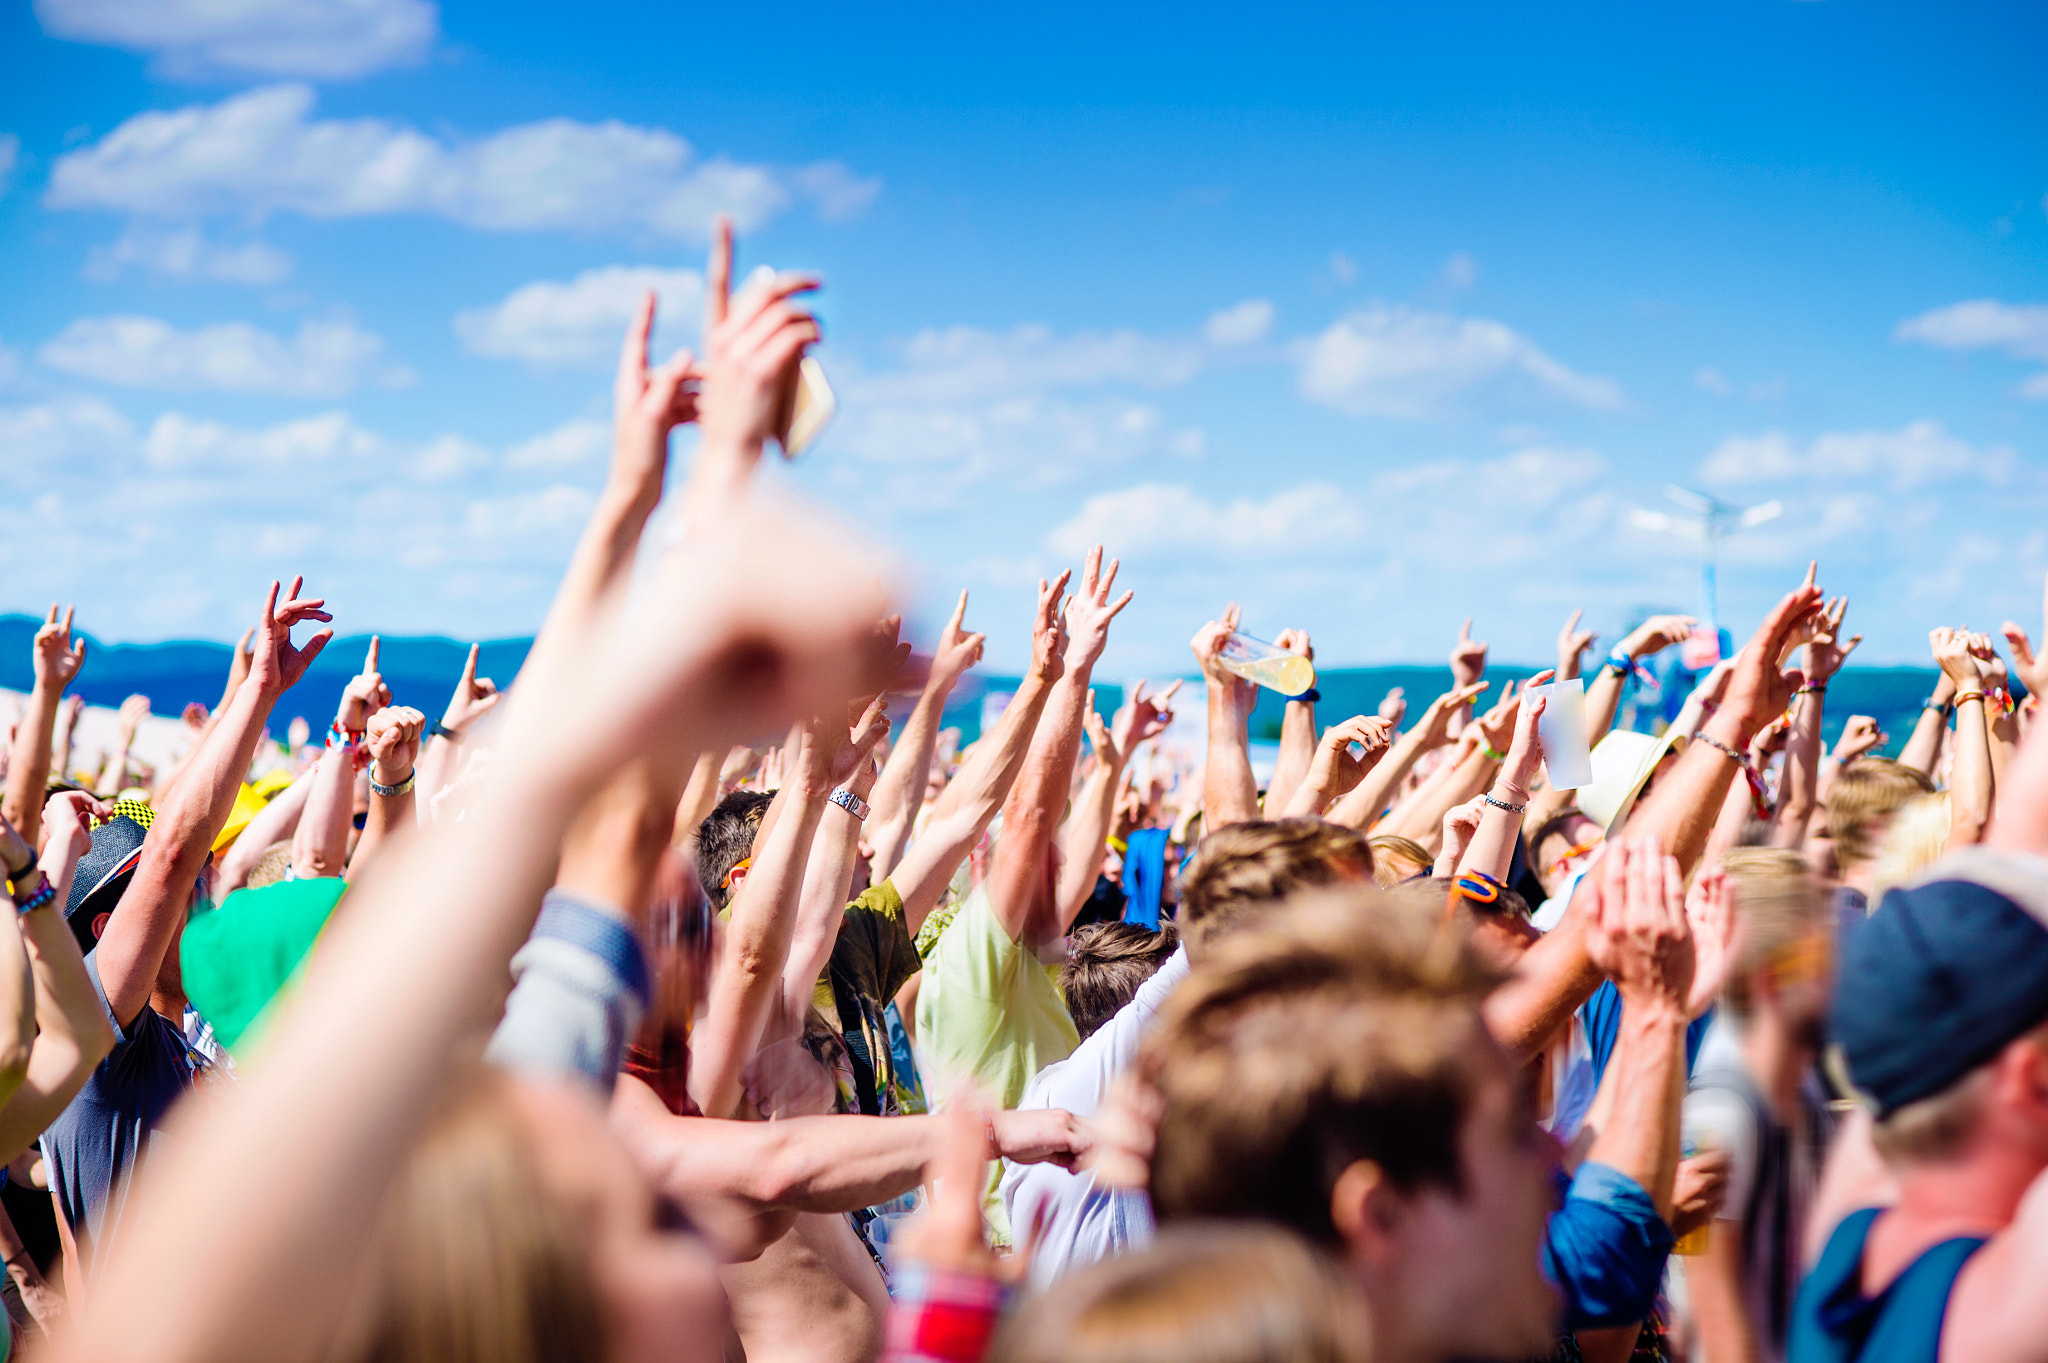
x: 988, y: 1012
x: 239, y: 957
x: 871, y: 959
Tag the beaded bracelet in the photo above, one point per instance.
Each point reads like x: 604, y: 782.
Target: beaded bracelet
x: 1503, y: 804
x: 1491, y: 753
x: 44, y: 894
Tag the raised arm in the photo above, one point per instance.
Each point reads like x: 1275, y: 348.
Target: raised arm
x: 152, y: 909
x: 1603, y: 692
x: 279, y: 1183
x: 970, y: 802
x: 1468, y: 665
x: 1335, y: 770
x: 1025, y: 904
x: 1923, y: 749
x: 1086, y: 830
x: 1421, y: 816
x: 1492, y: 849
x: 393, y: 740
x: 2001, y: 717
x: 274, y: 823
x: 72, y: 1031
x: 1572, y: 643
x: 899, y: 793
x: 828, y: 879
x: 474, y: 696
x: 1644, y: 943
x: 1369, y: 798
x: 1970, y: 780
x: 1297, y: 731
x: 56, y: 659
x: 114, y: 774
x: 1230, y: 793
x: 1825, y: 651
x: 320, y: 844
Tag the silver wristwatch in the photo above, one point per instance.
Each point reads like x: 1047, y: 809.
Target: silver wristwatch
x: 850, y: 802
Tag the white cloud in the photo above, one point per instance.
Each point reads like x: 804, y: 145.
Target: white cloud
x: 10, y: 152
x: 262, y: 152
x: 1396, y: 362
x: 323, y: 39
x: 177, y: 441
x: 1161, y: 517
x: 1244, y: 324
x: 68, y: 431
x: 580, y: 321
x: 1917, y: 453
x: 1712, y: 381
x: 186, y: 254
x: 325, y: 359
x: 573, y: 444
x: 2016, y: 329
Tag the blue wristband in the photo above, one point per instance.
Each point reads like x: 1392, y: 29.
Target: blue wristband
x: 1621, y: 663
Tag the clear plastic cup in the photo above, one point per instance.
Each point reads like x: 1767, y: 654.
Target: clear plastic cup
x: 1274, y: 668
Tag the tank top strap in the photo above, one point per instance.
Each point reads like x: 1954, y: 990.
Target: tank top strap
x: 1833, y: 1322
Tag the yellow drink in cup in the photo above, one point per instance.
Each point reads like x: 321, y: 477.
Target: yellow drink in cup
x: 1273, y: 668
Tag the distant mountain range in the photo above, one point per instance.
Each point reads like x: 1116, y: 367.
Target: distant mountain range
x: 422, y: 672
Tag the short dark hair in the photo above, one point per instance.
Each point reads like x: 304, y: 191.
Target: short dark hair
x: 1554, y: 827
x: 1106, y: 962
x: 1243, y: 869
x: 726, y: 838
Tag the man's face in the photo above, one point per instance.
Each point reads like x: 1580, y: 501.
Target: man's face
x: 1566, y: 851
x: 1472, y: 1273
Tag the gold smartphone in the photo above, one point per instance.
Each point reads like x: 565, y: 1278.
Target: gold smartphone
x: 807, y: 409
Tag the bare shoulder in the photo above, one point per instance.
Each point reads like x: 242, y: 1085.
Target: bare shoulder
x: 1997, y: 1312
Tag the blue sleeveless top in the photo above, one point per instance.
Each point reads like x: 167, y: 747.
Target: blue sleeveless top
x: 1833, y: 1322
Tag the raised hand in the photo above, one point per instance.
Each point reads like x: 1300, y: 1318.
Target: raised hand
x: 957, y: 650
x: 1989, y: 663
x: 1208, y: 648
x: 1525, y: 752
x: 1952, y: 655
x: 276, y: 665
x: 1640, y: 938
x: 647, y: 404
x: 1049, y: 629
x: 1091, y: 610
x: 1468, y: 656
x: 1335, y: 770
x: 1757, y: 688
x: 1460, y: 823
x: 1143, y: 718
x: 1826, y: 650
x: 1295, y: 641
x: 1435, y: 724
x: 133, y: 711
x: 1859, y: 736
x: 1394, y: 706
x: 2031, y: 667
x: 752, y: 343
x: 69, y: 814
x: 474, y: 696
x: 74, y: 710
x: 1497, y: 725
x: 57, y: 657
x: 1769, y: 741
x: 238, y: 665
x: 1572, y: 643
x: 364, y: 694
x: 1656, y: 634
x: 1710, y: 911
x: 393, y: 738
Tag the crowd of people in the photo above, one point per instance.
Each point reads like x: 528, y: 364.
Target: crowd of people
x: 674, y: 1003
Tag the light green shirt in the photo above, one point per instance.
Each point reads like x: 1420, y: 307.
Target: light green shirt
x: 988, y: 1013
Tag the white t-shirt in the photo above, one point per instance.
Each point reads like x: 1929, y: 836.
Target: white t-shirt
x: 1081, y: 1223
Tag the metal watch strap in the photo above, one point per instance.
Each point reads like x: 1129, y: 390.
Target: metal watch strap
x: 379, y: 788
x: 850, y: 802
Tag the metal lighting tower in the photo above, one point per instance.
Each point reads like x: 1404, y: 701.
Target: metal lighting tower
x: 1712, y: 521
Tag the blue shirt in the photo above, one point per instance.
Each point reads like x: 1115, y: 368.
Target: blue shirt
x: 1605, y: 1249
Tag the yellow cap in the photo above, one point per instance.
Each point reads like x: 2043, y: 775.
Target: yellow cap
x: 247, y: 805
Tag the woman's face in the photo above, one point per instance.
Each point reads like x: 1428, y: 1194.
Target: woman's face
x: 658, y: 1279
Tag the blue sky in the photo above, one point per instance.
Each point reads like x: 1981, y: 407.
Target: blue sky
x: 1369, y: 317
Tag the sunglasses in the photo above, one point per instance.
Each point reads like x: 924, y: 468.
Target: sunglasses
x: 1576, y: 851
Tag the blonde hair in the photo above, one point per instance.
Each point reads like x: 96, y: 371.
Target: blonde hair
x: 1865, y: 793
x: 1396, y: 858
x: 1202, y: 1293
x: 1244, y: 869
x: 479, y: 1263
x: 1916, y: 837
x: 1779, y: 904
